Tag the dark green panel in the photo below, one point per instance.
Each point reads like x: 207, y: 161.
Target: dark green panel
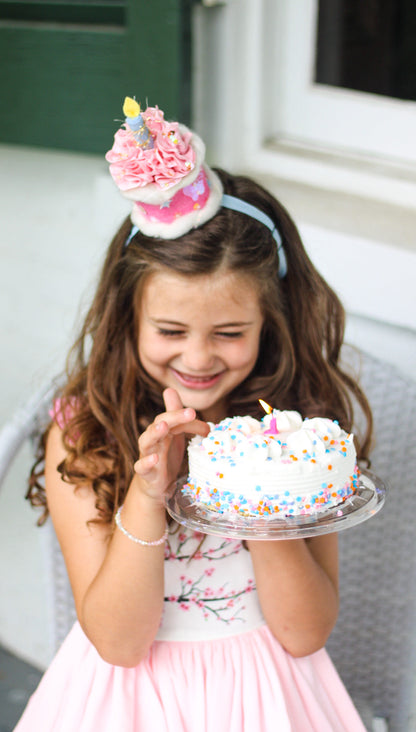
x: 66, y: 97
x: 159, y: 48
x: 62, y: 85
x: 105, y: 12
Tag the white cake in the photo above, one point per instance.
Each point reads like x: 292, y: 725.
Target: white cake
x: 278, y: 467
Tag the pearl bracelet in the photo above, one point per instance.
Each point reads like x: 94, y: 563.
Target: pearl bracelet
x: 135, y: 538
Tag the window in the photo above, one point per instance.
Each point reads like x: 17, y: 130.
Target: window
x: 269, y: 114
x: 368, y: 46
x: 348, y: 120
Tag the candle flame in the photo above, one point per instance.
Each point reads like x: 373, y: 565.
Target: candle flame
x: 267, y: 408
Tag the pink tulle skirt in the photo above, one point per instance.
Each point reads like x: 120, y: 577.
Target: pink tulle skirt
x: 246, y: 683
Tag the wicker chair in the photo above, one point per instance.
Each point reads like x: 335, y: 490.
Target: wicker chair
x: 374, y: 643
x: 27, y: 424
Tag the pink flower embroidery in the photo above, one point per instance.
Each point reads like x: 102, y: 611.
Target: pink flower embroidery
x: 198, y: 536
x: 224, y: 603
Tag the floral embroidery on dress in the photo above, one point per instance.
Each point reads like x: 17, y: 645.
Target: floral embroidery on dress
x: 185, y: 551
x: 212, y: 596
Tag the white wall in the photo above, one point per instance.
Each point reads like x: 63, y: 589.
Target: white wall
x: 58, y: 212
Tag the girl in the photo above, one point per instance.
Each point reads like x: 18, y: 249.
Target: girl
x: 178, y: 631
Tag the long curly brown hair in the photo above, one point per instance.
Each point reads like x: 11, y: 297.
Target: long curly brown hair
x: 111, y: 399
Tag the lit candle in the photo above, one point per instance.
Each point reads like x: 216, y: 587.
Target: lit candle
x: 272, y: 429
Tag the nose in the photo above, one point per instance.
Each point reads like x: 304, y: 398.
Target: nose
x: 198, y: 355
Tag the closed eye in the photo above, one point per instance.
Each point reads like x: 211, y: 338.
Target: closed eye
x: 170, y: 333
x: 230, y: 334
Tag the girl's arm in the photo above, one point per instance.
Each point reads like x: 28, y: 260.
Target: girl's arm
x: 118, y: 584
x: 297, y: 583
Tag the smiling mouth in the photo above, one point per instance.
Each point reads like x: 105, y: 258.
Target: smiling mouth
x: 197, y: 382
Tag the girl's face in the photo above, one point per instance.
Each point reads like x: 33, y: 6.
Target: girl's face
x: 199, y: 335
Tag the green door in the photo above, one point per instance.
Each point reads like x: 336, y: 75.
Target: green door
x: 66, y: 66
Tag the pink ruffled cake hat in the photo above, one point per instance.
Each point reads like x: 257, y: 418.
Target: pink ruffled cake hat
x: 159, y: 165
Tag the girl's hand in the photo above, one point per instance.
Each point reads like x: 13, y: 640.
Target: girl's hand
x: 162, y: 445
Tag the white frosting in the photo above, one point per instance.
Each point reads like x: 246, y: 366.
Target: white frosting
x: 323, y: 426
x: 281, y: 465
x: 284, y: 421
x: 305, y: 440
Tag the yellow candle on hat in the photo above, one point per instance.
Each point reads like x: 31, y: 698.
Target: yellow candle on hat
x: 131, y: 108
x: 136, y: 124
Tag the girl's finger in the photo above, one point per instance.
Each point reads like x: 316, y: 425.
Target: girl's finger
x: 155, y: 433
x: 196, y: 427
x: 172, y: 400
x: 176, y: 417
x: 146, y: 464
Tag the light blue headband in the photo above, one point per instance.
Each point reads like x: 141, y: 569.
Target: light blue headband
x: 237, y: 204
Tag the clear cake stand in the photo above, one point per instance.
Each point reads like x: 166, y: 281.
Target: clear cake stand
x: 365, y: 503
